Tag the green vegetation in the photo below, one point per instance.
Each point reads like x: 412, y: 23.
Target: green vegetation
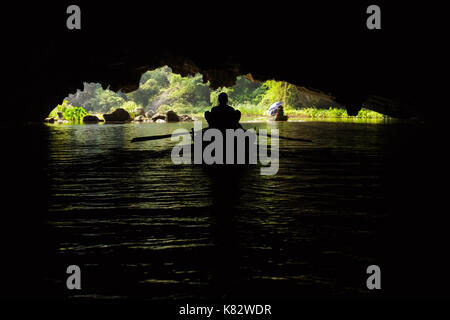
x: 74, y: 113
x: 370, y: 114
x: 130, y: 106
x: 332, y: 113
x: 161, y: 90
x: 68, y: 112
x: 105, y: 101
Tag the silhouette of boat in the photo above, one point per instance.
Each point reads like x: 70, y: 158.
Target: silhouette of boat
x: 242, y: 154
x: 237, y: 152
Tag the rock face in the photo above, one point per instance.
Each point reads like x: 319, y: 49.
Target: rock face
x: 91, y: 119
x: 140, y: 118
x: 185, y: 117
x: 118, y: 115
x: 160, y: 99
x: 171, y: 116
x: 149, y: 114
x: 83, y: 98
x: 139, y: 111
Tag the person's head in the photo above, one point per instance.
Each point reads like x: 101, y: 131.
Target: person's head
x: 223, y: 99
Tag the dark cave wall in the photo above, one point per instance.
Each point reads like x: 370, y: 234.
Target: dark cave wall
x: 321, y: 46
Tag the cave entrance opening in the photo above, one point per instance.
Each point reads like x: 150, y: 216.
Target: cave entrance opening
x: 162, y: 93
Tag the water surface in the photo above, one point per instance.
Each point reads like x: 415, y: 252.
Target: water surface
x: 140, y: 226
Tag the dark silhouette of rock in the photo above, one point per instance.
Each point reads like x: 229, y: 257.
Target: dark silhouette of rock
x: 171, y: 116
x: 91, y: 119
x: 118, y: 115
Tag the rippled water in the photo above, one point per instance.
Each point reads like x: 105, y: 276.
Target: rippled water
x: 140, y: 226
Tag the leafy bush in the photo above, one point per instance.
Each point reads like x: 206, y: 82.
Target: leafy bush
x: 74, y: 114
x: 59, y: 108
x: 333, y: 113
x: 369, y: 114
x: 274, y: 92
x: 68, y: 111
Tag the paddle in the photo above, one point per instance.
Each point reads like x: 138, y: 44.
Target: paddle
x: 287, y: 138
x: 165, y: 136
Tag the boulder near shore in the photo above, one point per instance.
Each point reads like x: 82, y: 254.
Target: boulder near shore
x: 171, y: 116
x: 91, y: 119
x: 118, y: 115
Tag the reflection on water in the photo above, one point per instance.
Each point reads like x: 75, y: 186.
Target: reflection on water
x: 140, y: 226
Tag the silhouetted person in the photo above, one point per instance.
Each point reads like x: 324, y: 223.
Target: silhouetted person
x: 280, y: 111
x: 223, y: 116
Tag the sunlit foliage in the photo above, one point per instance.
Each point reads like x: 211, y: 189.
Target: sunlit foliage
x: 161, y: 90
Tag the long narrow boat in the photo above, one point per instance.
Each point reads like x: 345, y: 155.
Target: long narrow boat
x: 247, y: 150
x: 241, y: 154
